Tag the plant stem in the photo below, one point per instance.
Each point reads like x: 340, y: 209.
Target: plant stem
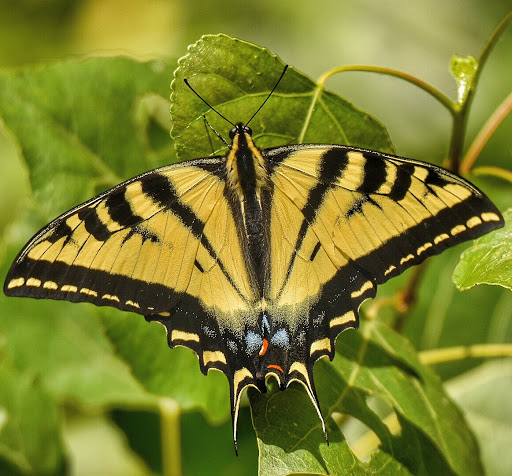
x: 450, y: 354
x: 457, y: 137
x: 485, y: 134
x: 490, y: 44
x: 444, y: 100
x: 170, y: 437
x: 461, y: 114
x: 495, y: 171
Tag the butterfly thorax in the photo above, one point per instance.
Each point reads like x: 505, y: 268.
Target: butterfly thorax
x: 248, y: 184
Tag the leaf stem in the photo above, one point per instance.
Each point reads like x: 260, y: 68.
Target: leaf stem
x: 485, y: 134
x: 457, y: 111
x: 316, y: 97
x: 451, y: 354
x: 490, y: 44
x: 444, y: 100
x: 170, y: 436
x: 495, y: 171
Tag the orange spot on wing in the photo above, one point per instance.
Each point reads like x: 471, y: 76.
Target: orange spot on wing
x: 264, y: 347
x: 273, y: 366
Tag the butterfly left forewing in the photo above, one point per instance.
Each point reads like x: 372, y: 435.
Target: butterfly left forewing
x: 406, y: 211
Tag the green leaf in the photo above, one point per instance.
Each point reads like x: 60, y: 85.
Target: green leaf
x: 82, y: 365
x: 489, y: 260
x: 463, y: 70
x: 484, y: 396
x: 83, y: 126
x: 26, y: 446
x: 377, y: 379
x: 80, y: 125
x: 235, y: 77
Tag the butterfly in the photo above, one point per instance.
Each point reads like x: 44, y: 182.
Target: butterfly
x: 257, y: 259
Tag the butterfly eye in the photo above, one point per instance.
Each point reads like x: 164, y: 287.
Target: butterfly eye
x: 248, y: 130
x: 232, y: 133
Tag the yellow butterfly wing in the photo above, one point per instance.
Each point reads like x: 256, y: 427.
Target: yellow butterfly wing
x: 344, y: 220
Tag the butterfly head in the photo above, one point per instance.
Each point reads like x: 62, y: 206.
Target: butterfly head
x: 241, y: 142
x: 239, y: 129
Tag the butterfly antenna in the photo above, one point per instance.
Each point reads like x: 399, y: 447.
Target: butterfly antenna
x: 211, y: 107
x: 269, y: 94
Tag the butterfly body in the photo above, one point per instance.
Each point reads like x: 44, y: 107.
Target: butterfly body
x: 258, y: 259
x: 248, y: 184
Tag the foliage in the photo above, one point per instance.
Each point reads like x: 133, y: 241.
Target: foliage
x: 488, y: 261
x: 83, y: 126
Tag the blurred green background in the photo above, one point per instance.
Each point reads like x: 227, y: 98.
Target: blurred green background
x: 417, y: 37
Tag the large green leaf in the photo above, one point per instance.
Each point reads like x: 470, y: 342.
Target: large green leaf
x: 235, y: 77
x: 82, y: 125
x: 66, y: 347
